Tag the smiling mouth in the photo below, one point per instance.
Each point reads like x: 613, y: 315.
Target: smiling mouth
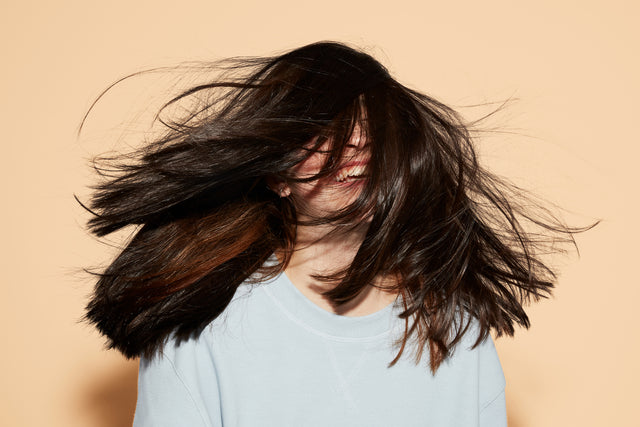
x: 351, y: 173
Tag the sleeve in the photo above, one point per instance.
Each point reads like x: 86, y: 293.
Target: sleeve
x: 493, y: 411
x: 171, y: 391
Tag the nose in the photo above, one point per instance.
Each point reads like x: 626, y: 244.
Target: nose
x: 357, y: 140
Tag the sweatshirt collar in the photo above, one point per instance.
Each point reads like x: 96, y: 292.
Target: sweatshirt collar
x: 295, y: 305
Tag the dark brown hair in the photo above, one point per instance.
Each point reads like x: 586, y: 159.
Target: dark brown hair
x: 462, y: 245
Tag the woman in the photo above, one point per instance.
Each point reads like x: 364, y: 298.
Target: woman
x: 316, y: 245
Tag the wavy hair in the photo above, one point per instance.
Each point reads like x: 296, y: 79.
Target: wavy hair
x: 459, y: 239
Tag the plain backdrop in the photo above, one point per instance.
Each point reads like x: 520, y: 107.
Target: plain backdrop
x: 570, y: 136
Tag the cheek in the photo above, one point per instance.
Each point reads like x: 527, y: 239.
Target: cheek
x: 308, y: 168
x: 312, y: 164
x: 307, y: 191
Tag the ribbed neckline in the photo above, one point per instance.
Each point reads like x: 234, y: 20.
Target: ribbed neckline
x: 307, y: 314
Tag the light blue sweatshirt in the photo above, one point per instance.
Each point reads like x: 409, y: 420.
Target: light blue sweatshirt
x: 274, y: 358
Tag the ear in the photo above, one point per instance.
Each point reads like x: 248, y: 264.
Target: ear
x: 278, y: 186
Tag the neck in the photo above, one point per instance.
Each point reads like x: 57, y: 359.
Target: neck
x: 322, y: 252
x: 317, y: 252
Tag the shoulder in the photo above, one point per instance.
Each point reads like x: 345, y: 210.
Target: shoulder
x: 178, y: 351
x: 182, y: 378
x: 477, y: 362
x: 491, y: 379
x: 247, y: 314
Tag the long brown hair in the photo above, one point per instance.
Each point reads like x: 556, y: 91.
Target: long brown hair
x: 462, y: 245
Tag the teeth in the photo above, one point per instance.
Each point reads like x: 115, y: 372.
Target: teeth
x: 353, y: 171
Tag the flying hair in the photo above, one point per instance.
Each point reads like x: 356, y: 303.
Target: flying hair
x: 465, y: 245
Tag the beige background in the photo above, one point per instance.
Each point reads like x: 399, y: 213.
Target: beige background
x: 573, y: 65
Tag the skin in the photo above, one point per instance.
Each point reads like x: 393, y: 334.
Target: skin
x: 317, y: 253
